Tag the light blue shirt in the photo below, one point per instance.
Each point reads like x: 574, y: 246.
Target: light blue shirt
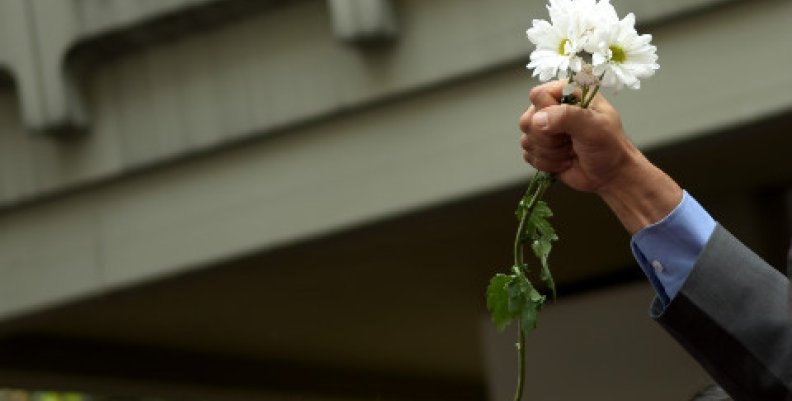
x: 668, y: 249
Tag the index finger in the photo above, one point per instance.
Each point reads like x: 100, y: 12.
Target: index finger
x: 548, y: 94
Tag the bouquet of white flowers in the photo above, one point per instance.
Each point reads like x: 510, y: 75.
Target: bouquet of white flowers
x: 587, y: 44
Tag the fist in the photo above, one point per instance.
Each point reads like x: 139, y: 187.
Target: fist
x: 586, y: 148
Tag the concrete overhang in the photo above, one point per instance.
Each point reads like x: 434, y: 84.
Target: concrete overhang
x: 450, y: 142
x: 412, y: 148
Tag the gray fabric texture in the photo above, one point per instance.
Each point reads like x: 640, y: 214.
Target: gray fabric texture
x: 732, y: 316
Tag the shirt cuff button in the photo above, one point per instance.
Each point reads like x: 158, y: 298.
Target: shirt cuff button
x: 658, y: 267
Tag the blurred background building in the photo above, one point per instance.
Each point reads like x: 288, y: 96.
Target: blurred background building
x: 281, y: 200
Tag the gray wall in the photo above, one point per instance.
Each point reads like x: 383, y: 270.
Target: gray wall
x: 220, y: 133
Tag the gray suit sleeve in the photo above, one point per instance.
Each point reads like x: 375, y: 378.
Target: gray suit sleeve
x: 732, y: 316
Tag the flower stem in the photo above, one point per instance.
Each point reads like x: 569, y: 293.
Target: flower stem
x: 585, y: 104
x: 519, y: 259
x: 520, y: 362
x: 536, y: 189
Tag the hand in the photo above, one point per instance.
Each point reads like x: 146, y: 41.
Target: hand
x: 588, y: 150
x: 585, y: 148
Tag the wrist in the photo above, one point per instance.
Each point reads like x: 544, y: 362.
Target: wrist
x: 640, y: 194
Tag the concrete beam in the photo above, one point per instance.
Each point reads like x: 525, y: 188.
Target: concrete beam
x: 406, y: 154
x: 39, y: 34
x: 248, y: 78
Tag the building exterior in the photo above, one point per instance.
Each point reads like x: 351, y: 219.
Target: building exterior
x: 238, y: 199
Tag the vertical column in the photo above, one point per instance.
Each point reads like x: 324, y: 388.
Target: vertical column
x: 37, y: 37
x: 55, y: 31
x: 358, y: 21
x: 20, y: 58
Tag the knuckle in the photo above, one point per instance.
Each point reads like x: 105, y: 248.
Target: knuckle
x: 535, y: 93
x: 552, y: 154
x: 525, y: 120
x: 564, y: 112
x: 548, y: 165
x: 525, y: 143
x: 541, y: 164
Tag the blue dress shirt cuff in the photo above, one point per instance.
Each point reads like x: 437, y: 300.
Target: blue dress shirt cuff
x: 668, y: 250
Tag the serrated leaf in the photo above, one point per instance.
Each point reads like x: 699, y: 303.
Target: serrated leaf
x: 542, y: 237
x: 536, y: 297
x: 541, y: 249
x: 498, y: 300
x: 541, y: 210
x: 537, y: 225
x: 524, y: 301
x: 531, y: 311
x: 538, y: 221
x: 517, y: 295
x: 529, y: 316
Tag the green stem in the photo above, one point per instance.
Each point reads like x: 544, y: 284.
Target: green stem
x: 536, y: 189
x: 520, y: 362
x: 519, y: 258
x: 586, y: 103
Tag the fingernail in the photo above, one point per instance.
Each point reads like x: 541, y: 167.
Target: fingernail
x: 540, y: 119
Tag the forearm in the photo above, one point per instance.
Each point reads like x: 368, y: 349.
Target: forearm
x: 641, y: 194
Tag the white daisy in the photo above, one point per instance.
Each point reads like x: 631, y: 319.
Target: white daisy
x: 555, y: 51
x: 573, y: 24
x: 622, y: 57
x: 591, y: 16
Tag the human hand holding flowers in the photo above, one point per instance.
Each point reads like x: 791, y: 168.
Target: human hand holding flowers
x: 586, y: 148
x: 586, y: 45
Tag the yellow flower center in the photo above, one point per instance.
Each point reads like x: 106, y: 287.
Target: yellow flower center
x: 617, y: 54
x: 561, y: 47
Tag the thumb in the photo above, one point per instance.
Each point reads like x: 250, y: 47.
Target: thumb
x: 562, y: 119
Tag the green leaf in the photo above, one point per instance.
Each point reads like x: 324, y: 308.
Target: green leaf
x: 529, y: 315
x: 537, y: 225
x: 513, y: 296
x: 524, y: 302
x: 516, y: 290
x: 535, y: 297
x: 541, y: 249
x: 522, y: 207
x: 498, y: 300
x: 542, y: 237
x: 542, y: 210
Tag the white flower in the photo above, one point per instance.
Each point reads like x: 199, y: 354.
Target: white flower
x: 590, y: 17
x: 555, y: 52
x: 622, y: 57
x: 572, y: 27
